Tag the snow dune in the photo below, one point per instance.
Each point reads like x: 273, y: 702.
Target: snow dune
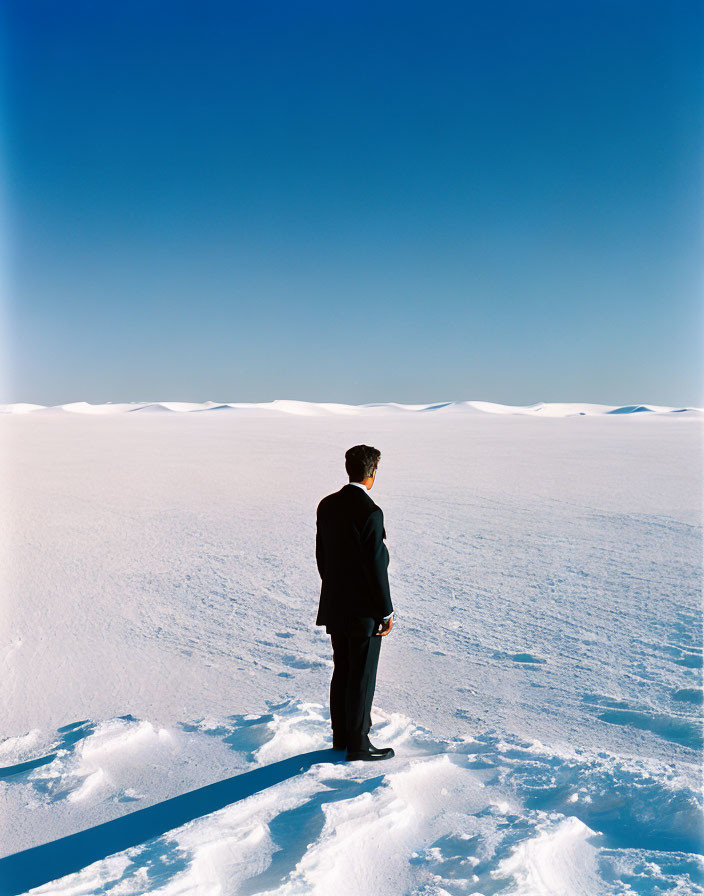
x: 295, y: 818
x: 311, y: 408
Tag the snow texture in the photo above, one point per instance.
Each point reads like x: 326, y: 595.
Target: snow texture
x: 165, y: 687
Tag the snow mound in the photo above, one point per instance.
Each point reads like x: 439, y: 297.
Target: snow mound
x: 320, y: 409
x: 290, y: 816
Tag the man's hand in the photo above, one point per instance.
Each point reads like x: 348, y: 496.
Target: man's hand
x: 386, y: 626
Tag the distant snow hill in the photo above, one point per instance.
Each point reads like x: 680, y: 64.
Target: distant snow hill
x: 316, y: 409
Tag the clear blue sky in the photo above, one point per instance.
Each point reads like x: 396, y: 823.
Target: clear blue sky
x: 354, y: 202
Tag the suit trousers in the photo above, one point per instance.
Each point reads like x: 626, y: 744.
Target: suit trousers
x: 352, y: 688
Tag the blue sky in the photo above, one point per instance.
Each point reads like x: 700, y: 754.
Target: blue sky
x: 353, y: 202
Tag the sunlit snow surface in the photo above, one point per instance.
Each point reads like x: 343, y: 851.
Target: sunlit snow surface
x: 541, y: 686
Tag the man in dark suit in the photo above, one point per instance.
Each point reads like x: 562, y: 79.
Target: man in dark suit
x: 355, y: 601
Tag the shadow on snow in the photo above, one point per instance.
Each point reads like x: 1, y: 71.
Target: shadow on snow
x: 41, y: 864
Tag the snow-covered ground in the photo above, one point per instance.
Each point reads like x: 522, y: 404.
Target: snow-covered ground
x: 541, y: 686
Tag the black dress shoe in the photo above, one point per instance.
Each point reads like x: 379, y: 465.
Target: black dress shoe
x: 369, y: 755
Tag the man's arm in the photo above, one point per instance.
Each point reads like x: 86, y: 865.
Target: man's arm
x: 375, y: 558
x: 318, y: 547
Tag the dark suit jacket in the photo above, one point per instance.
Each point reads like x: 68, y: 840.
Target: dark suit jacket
x: 352, y: 561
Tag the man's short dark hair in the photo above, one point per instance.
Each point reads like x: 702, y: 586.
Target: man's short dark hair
x: 361, y: 462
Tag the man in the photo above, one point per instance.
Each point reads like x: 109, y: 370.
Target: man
x: 355, y: 601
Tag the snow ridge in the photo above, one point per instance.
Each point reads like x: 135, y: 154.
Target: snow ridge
x: 316, y: 409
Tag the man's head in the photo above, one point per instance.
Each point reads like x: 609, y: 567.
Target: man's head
x: 361, y: 462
